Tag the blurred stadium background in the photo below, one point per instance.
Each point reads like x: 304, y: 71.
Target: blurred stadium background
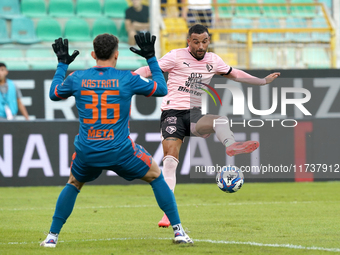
x: 251, y: 34
x: 266, y: 34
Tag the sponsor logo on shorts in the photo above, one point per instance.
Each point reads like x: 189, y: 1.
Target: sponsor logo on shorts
x: 171, y: 120
x: 171, y: 129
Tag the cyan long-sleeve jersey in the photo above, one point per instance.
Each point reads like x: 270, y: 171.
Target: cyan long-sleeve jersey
x: 103, y: 99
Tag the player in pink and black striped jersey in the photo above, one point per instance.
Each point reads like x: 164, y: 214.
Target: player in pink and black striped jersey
x: 188, y: 69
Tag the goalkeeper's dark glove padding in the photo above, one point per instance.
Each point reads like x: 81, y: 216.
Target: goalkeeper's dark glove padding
x: 61, y: 50
x: 146, y: 44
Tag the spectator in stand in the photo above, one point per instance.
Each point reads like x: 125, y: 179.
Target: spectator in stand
x: 199, y: 11
x: 136, y: 20
x: 10, y: 97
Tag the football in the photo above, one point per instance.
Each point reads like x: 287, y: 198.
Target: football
x: 230, y: 179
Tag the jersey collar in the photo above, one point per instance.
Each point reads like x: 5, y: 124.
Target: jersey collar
x: 102, y: 66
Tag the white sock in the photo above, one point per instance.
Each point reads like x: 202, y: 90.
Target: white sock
x: 178, y: 228
x: 223, y: 132
x: 169, y: 171
x: 52, y: 236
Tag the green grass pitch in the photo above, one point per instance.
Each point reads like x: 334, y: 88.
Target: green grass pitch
x: 261, y: 218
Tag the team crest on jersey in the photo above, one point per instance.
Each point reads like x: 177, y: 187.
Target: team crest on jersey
x: 171, y: 120
x: 171, y: 129
x: 209, y: 67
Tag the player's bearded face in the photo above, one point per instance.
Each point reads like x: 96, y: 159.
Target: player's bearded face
x: 198, y: 44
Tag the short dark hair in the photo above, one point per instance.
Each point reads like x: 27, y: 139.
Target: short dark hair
x: 105, y: 45
x: 197, y: 29
x: 2, y: 64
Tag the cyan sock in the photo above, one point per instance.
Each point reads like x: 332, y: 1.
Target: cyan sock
x: 64, y: 207
x: 165, y: 199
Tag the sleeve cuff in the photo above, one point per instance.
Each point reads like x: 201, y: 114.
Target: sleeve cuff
x: 151, y: 60
x: 63, y: 66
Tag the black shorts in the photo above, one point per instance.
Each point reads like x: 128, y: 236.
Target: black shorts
x: 179, y: 123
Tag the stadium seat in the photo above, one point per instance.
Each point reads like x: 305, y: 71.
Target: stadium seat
x: 23, y: 31
x: 297, y: 23
x: 61, y: 8
x: 78, y: 64
x: 48, y: 29
x: 14, y: 59
x: 259, y: 61
x: 123, y: 45
x: 77, y: 29
x: 115, y: 8
x: 225, y: 11
x: 303, y: 11
x: 315, y: 57
x: 248, y: 11
x: 128, y: 60
x: 9, y: 9
x: 240, y: 23
x: 90, y: 61
x: 4, y: 38
x: 290, y: 58
x: 269, y: 37
x: 17, y: 65
x: 143, y: 62
x: 275, y: 11
x: 127, y: 53
x: 320, y: 37
x: 41, y: 59
x: 175, y: 34
x: 104, y: 25
x: 88, y: 8
x: 33, y: 8
x: 81, y: 62
x: 122, y: 34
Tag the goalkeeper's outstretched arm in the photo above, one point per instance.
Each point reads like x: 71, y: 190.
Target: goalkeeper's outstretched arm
x: 146, y: 43
x: 60, y: 48
x: 58, y: 79
x: 158, y: 77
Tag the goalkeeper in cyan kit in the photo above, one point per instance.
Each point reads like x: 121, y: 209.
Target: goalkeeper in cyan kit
x: 103, y: 98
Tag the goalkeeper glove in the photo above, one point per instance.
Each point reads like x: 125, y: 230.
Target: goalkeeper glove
x: 146, y: 45
x: 61, y: 50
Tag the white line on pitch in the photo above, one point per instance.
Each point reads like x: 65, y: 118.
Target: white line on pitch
x: 289, y: 246
x: 155, y: 205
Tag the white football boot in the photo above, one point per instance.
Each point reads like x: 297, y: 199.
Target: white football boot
x: 50, y: 241
x: 180, y: 238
